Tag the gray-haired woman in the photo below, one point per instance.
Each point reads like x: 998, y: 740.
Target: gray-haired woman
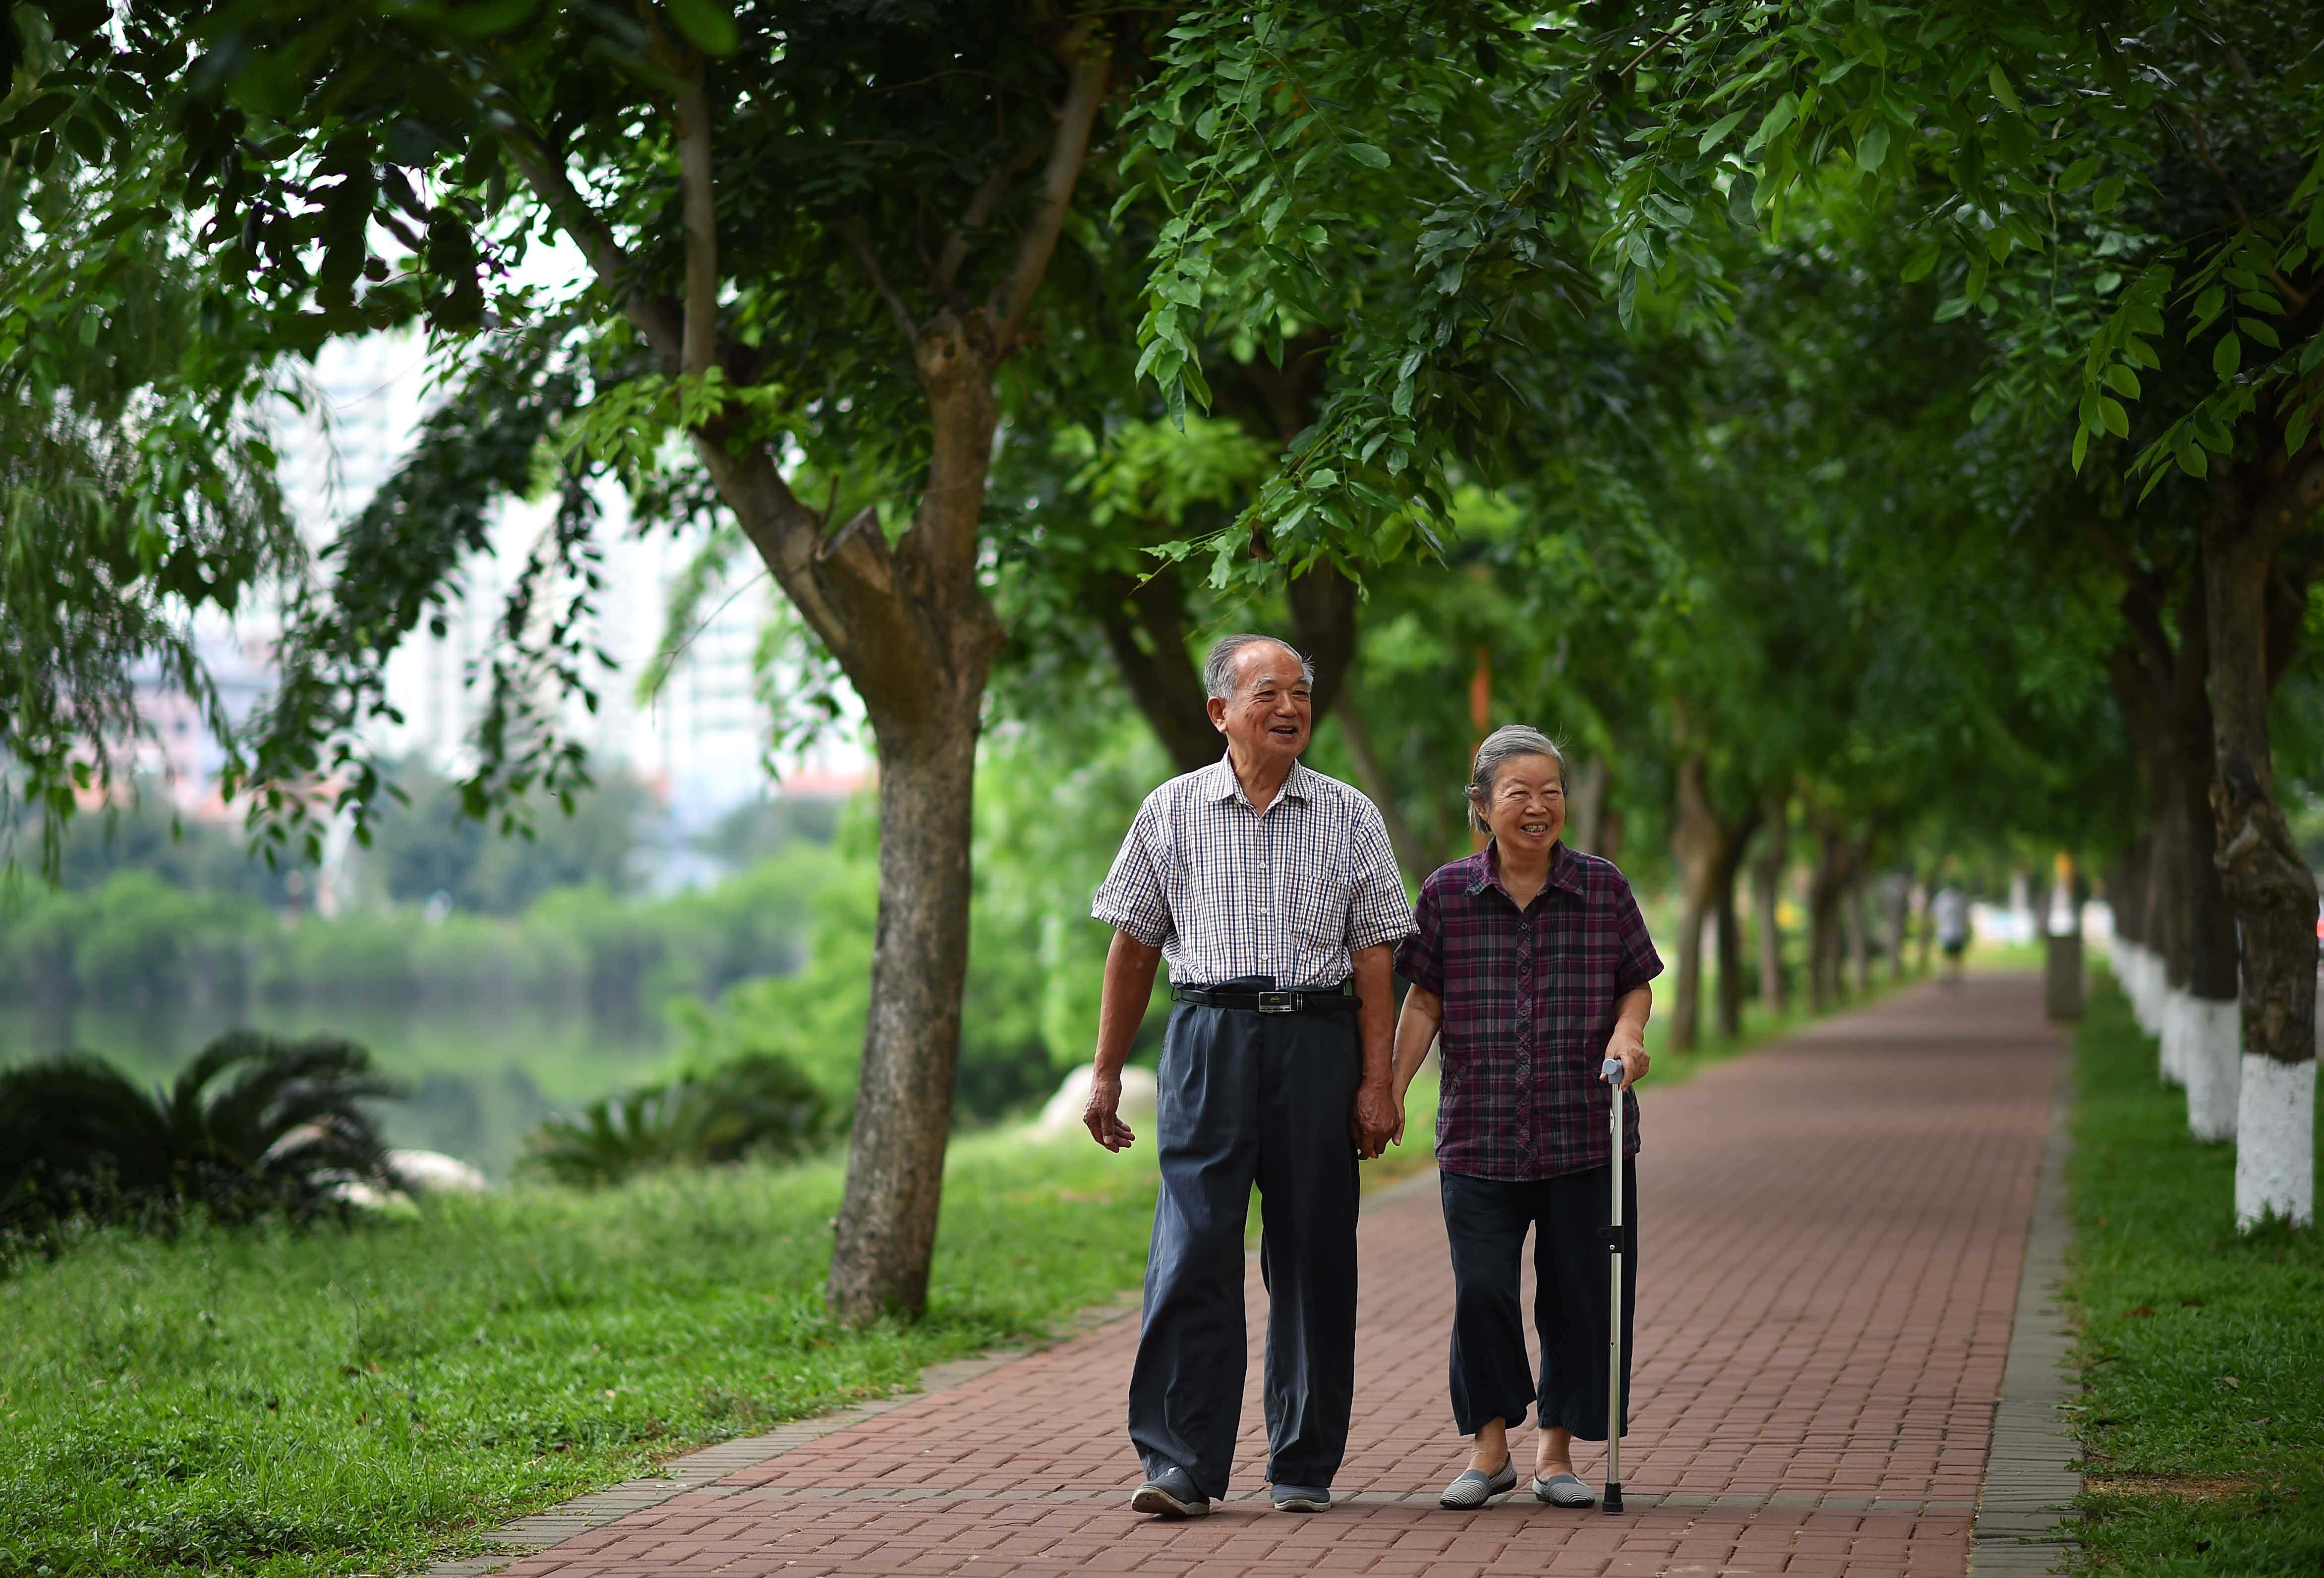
x: 1533, y: 961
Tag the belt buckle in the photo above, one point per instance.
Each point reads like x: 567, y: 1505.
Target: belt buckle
x: 1279, y: 1002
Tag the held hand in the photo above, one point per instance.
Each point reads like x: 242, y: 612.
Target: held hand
x: 1374, y: 1121
x: 1103, y: 1116
x: 1634, y: 1058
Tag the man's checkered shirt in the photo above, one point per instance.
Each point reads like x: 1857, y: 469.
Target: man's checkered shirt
x: 1227, y: 893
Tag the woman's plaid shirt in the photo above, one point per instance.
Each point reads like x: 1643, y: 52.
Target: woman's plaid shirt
x: 1227, y: 893
x: 1528, y: 1006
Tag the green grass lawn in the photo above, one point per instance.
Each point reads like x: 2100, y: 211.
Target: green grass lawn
x: 2202, y: 1352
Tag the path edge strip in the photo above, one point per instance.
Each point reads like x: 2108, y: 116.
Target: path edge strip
x: 2025, y: 1504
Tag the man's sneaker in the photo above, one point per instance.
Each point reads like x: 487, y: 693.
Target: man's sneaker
x: 1301, y: 1498
x: 1170, y: 1495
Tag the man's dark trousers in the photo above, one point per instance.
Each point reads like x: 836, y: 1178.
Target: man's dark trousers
x: 1249, y: 1097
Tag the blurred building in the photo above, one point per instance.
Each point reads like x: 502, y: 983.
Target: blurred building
x: 700, y: 740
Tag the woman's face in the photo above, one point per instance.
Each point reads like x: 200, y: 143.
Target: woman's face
x: 1527, y: 809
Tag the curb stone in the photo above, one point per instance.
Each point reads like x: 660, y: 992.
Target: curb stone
x: 2026, y: 1505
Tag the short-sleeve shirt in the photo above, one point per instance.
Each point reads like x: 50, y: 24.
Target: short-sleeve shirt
x: 1529, y: 1003
x: 1227, y: 893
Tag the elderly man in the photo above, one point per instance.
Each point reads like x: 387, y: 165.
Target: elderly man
x: 1272, y: 891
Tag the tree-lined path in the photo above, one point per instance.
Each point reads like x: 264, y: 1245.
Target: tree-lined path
x: 1833, y: 1232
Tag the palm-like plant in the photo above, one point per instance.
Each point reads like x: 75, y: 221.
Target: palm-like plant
x: 251, y: 1125
x: 759, y: 1105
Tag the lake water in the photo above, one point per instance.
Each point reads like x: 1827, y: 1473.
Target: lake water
x: 479, y: 1078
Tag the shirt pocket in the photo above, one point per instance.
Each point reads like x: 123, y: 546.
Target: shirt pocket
x: 1319, y: 907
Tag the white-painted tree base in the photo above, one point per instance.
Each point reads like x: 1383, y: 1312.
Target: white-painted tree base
x: 2275, y: 1142
x: 2138, y: 979
x: 2172, y: 1035
x: 2211, y: 1055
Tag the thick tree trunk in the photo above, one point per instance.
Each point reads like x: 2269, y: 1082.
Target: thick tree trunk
x: 2270, y: 887
x: 2208, y: 1056
x: 1766, y: 898
x: 911, y: 1043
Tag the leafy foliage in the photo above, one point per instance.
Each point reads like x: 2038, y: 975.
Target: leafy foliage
x: 759, y: 1106
x: 251, y: 1126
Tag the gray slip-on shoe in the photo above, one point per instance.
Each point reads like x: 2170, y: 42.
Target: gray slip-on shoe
x: 1564, y: 1491
x: 1475, y: 1488
x: 1301, y: 1497
x: 1171, y: 1494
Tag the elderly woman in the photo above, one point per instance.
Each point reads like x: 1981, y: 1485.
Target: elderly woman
x: 1533, y: 962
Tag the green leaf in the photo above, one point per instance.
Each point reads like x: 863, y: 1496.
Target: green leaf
x: 486, y: 17
x: 1787, y: 108
x: 708, y: 23
x: 1872, y: 149
x: 2295, y: 431
x: 2082, y: 448
x: 2116, y: 419
x: 2109, y: 194
x: 2122, y: 380
x: 1918, y: 266
x: 2261, y: 330
x: 2079, y: 173
x: 1365, y: 153
x: 1999, y: 82
x: 2190, y: 457
x: 1718, y: 130
x: 2227, y: 355
x: 1741, y: 195
x: 1998, y: 241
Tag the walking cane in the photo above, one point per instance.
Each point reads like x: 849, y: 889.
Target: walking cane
x: 1612, y: 1500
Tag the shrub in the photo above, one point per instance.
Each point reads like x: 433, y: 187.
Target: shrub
x: 757, y: 1106
x: 77, y: 1139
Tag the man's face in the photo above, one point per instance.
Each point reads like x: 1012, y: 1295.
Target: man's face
x: 1269, y: 715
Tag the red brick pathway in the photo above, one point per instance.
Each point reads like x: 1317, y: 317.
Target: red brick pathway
x: 1832, y: 1233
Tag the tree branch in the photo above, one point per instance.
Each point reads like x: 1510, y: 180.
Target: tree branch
x: 1091, y: 62
x: 544, y: 172
x: 852, y: 233
x: 974, y: 218
x: 700, y: 348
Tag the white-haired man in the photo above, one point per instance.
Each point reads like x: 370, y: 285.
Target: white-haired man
x: 1273, y: 892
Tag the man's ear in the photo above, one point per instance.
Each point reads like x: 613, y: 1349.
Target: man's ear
x: 1217, y: 709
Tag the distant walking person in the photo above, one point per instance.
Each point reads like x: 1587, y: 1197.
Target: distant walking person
x: 1272, y: 891
x: 1951, y: 908
x: 1533, y: 962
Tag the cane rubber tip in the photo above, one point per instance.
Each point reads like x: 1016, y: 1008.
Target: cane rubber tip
x: 1612, y: 1499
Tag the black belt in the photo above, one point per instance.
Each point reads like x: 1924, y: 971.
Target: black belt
x: 1311, y: 1000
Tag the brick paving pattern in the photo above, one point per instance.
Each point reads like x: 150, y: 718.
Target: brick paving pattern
x: 1831, y: 1230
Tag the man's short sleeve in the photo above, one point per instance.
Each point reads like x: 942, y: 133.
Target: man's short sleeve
x: 1131, y: 899
x: 1638, y: 962
x: 1377, y: 911
x: 1420, y: 958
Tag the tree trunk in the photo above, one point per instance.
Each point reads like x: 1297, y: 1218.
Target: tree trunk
x: 1767, y: 895
x: 1709, y: 851
x: 1371, y: 777
x: 2269, y: 885
x: 1827, y: 890
x: 911, y: 1043
x: 1897, y: 900
x: 1585, y: 807
x: 1730, y: 935
x: 1859, y: 932
x: 1145, y: 624
x: 2208, y: 1056
x: 1694, y: 843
